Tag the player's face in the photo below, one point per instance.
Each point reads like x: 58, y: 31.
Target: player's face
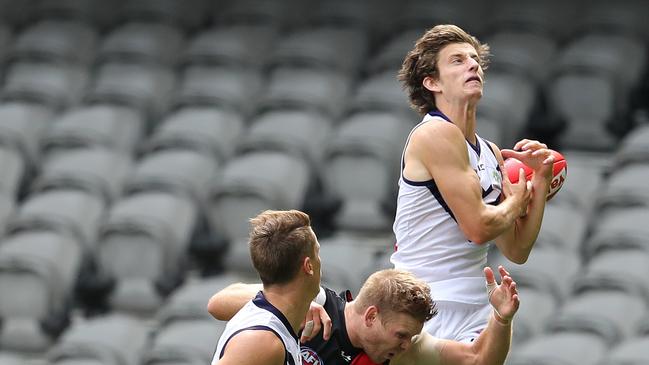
x: 390, y: 337
x: 460, y: 73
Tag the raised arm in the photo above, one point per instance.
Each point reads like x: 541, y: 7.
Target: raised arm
x: 438, y: 151
x: 490, y: 348
x: 227, y: 302
x: 516, y: 242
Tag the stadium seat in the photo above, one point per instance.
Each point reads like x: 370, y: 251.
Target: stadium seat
x: 551, y: 18
x: 347, y: 260
x: 509, y: 99
x: 38, y: 271
x: 97, y: 13
x: 98, y: 171
x: 391, y: 53
x: 320, y: 48
x: 188, y: 15
x: 254, y: 12
x: 565, y: 348
x: 115, y: 339
x: 237, y: 46
x: 623, y: 270
x: 633, y: 148
x: 621, y: 56
x: 188, y: 301
x: 56, y: 86
x: 347, y: 14
x: 324, y: 91
x: 188, y: 342
x: 584, y: 179
x: 16, y: 14
x: 142, y: 43
x: 175, y: 170
x: 233, y: 89
x: 564, y: 228
x: 118, y: 128
x: 630, y: 352
x: 56, y: 41
x: 621, y: 189
x: 383, y: 92
x: 7, y: 209
x: 251, y: 183
x: 10, y: 358
x: 79, y: 220
x: 587, y: 103
x: 142, y: 249
x: 547, y: 270
x: 148, y: 88
x: 22, y: 125
x: 524, y: 53
x: 12, y: 173
x: 619, y: 229
x: 422, y: 14
x: 212, y: 131
x: 5, y: 41
x: 301, y: 133
x: 612, y: 315
x: 361, y: 166
x: 536, y: 309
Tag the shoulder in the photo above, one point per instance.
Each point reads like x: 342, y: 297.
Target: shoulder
x: 425, y: 349
x: 436, y: 136
x: 252, y: 345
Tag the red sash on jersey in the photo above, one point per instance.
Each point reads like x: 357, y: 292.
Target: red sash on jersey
x: 363, y: 359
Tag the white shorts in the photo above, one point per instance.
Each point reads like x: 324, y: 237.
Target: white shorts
x: 457, y: 321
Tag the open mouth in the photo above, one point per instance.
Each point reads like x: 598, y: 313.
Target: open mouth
x: 474, y: 78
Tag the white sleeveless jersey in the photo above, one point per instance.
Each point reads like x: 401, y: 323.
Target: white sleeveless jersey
x: 430, y: 243
x: 260, y: 315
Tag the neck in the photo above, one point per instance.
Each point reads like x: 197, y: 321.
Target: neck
x: 291, y: 300
x: 462, y: 114
x: 352, y: 324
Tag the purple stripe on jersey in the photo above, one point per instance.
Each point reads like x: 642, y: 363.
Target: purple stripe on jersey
x: 261, y: 302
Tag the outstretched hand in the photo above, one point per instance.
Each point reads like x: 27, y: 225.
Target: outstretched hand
x: 534, y: 154
x: 503, y: 297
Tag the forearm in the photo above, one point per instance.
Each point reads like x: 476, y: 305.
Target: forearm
x: 493, y: 221
x: 227, y: 302
x: 492, y: 346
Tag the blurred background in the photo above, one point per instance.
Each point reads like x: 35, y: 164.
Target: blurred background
x: 138, y: 137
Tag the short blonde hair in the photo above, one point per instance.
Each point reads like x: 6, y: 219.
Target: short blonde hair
x: 397, y: 291
x: 421, y: 62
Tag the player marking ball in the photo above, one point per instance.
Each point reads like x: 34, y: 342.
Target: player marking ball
x: 559, y: 172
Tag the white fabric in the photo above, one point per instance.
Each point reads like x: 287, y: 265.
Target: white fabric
x: 459, y: 321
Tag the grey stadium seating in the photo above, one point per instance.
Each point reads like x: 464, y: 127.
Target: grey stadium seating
x: 38, y: 270
x: 209, y: 130
x: 115, y: 339
x: 22, y: 125
x: 13, y: 171
x: 630, y: 352
x: 118, y: 128
x: 619, y: 229
x: 142, y: 248
x: 563, y: 348
x: 189, y: 342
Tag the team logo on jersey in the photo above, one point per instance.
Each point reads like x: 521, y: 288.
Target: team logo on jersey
x: 310, y: 357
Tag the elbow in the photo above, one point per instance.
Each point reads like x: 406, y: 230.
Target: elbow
x: 213, y: 307
x: 517, y: 257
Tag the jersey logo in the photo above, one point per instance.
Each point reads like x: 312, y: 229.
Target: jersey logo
x: 345, y: 357
x: 310, y: 357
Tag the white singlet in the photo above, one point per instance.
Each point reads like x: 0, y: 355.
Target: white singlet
x: 430, y: 243
x: 260, y: 315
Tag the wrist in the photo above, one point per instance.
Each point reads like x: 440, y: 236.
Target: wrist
x: 502, y: 321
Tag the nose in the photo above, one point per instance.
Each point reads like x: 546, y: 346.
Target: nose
x: 473, y: 64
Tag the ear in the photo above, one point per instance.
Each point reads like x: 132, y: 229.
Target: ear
x: 431, y: 84
x: 307, y: 266
x: 370, y: 316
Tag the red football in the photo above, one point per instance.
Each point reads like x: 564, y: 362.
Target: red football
x: 559, y: 173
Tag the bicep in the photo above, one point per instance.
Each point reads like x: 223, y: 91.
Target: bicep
x: 425, y: 350
x: 456, y: 353
x: 445, y: 156
x: 254, y: 347
x: 226, y: 303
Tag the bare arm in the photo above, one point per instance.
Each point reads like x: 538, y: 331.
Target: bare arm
x: 490, y: 348
x: 253, y: 348
x: 438, y: 151
x: 517, y: 241
x: 227, y: 302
